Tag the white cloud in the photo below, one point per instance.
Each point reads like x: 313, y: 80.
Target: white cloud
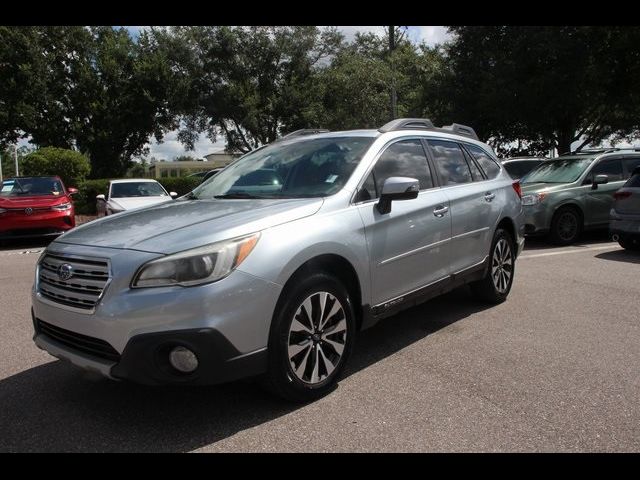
x: 171, y: 147
x: 432, y: 35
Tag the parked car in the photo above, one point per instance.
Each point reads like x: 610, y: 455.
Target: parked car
x: 571, y: 193
x: 131, y: 193
x: 241, y: 279
x: 625, y: 214
x: 518, y: 167
x: 35, y: 207
x: 207, y: 174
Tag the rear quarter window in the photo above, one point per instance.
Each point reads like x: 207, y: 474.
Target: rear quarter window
x: 490, y: 167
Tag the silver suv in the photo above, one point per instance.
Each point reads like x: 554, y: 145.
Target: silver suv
x: 271, y: 267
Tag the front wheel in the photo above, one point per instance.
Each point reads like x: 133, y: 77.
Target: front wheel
x: 311, y: 339
x: 566, y: 226
x: 496, y: 284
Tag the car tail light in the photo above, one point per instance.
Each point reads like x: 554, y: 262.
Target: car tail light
x: 517, y: 188
x: 621, y: 195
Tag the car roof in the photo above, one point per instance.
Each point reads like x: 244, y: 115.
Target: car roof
x: 523, y: 159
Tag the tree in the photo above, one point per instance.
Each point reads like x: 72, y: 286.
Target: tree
x: 548, y: 85
x: 71, y: 166
x: 185, y: 158
x: 90, y: 88
x: 250, y: 84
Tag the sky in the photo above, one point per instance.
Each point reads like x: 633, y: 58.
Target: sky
x: 171, y: 147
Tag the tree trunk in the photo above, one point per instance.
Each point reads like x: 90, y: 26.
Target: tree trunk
x: 564, y: 140
x: 394, y: 96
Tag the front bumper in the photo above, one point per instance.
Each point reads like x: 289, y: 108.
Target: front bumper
x: 536, y: 220
x: 225, y: 323
x: 47, y: 223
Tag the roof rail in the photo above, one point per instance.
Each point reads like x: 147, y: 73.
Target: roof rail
x: 426, y: 124
x: 301, y: 132
x: 407, y: 123
x: 461, y: 130
x: 591, y: 151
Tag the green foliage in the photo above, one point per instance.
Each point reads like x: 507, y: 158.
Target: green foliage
x: 185, y: 158
x: 71, y: 166
x: 180, y: 185
x: 85, y: 200
x: 547, y: 85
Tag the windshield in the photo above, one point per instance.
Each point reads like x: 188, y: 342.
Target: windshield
x: 26, y: 186
x: 558, y: 171
x: 137, y: 189
x: 294, y: 169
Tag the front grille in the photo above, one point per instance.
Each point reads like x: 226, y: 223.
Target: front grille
x: 80, y: 343
x: 82, y: 290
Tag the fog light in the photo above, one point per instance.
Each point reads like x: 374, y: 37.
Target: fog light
x: 183, y: 359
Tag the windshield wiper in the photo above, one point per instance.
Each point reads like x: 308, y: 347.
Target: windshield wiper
x: 242, y: 195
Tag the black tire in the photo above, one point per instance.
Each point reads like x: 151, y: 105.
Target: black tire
x: 487, y: 289
x: 566, y: 226
x: 630, y: 243
x: 281, y: 379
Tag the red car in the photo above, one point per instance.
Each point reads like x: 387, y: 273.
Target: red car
x: 34, y: 207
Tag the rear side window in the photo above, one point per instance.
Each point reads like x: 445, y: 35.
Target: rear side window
x: 450, y: 162
x: 611, y: 168
x: 405, y: 158
x: 631, y: 164
x: 634, y: 181
x: 490, y: 167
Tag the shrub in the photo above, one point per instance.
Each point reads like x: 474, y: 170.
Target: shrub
x: 85, y: 200
x: 71, y: 166
x: 180, y: 185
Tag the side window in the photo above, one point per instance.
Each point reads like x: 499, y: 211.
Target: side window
x: 631, y: 164
x: 405, y: 158
x: 490, y: 167
x: 450, y: 162
x: 611, y: 168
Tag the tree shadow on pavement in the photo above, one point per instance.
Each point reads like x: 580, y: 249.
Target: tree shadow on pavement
x: 628, y: 256
x: 55, y: 407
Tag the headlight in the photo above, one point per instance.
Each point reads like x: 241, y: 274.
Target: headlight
x: 533, y: 199
x: 197, y: 266
x: 62, y: 207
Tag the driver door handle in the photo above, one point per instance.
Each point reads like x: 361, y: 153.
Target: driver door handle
x: 439, y: 211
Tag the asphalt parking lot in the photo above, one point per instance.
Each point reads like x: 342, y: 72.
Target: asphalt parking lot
x: 555, y: 368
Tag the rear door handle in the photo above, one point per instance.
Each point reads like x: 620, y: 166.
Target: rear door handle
x: 439, y: 211
x: 489, y: 196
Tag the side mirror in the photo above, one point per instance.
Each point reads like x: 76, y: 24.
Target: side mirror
x: 173, y: 194
x: 599, y: 180
x: 72, y: 190
x: 101, y: 197
x: 397, y: 188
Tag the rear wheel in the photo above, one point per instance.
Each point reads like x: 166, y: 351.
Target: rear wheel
x: 496, y: 285
x: 629, y: 243
x: 311, y: 339
x: 566, y: 226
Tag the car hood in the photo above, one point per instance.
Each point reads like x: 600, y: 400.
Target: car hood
x: 129, y: 203
x: 543, y: 187
x: 175, y: 226
x: 33, y: 201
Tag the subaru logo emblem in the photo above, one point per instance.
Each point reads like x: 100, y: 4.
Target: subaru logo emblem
x: 28, y: 210
x: 65, y: 271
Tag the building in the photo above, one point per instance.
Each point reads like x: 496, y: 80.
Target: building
x: 182, y: 169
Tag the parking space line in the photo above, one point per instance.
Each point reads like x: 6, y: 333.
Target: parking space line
x: 573, y: 250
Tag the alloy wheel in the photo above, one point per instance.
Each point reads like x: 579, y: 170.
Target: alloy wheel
x: 317, y: 337
x: 567, y: 226
x: 502, y: 265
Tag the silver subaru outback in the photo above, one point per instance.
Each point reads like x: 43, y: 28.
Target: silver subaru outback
x: 270, y: 268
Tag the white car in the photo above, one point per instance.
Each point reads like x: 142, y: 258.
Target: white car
x: 131, y: 193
